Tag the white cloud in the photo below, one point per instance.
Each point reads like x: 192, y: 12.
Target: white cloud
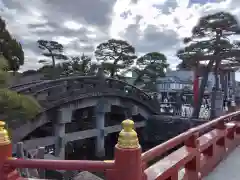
x: 64, y: 40
x: 72, y: 25
x: 149, y: 25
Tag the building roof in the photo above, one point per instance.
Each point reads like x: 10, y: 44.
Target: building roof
x: 183, y: 75
x: 174, y: 79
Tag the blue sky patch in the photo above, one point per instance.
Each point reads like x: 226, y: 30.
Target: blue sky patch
x: 202, y: 1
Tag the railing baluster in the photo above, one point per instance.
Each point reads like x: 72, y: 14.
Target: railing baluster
x: 40, y: 155
x: 129, y: 162
x: 20, y: 154
x: 174, y: 176
x: 192, y: 168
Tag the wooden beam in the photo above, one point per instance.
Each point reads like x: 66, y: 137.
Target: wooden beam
x: 50, y: 140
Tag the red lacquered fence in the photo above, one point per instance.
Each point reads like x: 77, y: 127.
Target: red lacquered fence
x: 197, y: 152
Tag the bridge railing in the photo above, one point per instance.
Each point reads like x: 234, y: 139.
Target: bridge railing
x: 201, y: 149
x: 54, y: 93
x: 19, y: 86
x: 190, y: 155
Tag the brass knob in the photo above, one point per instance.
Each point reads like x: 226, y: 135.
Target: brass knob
x: 4, y: 138
x: 128, y: 138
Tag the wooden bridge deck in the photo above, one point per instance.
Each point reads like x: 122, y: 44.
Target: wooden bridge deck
x: 228, y: 169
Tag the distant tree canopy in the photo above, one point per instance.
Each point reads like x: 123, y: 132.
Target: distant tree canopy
x: 209, y: 43
x: 13, y: 105
x: 10, y: 48
x: 52, y: 49
x: 152, y: 65
x: 75, y: 65
x: 115, y: 55
x: 82, y: 65
x: 183, y: 65
x: 29, y: 72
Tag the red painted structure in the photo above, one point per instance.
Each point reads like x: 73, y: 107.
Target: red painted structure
x: 202, y: 149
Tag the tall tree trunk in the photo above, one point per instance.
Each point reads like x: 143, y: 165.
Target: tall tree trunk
x: 196, y: 84
x: 214, y: 92
x: 204, y: 81
x: 217, y: 63
x: 54, y: 75
x: 205, y: 77
x: 138, y: 79
x: 112, y: 73
x: 223, y: 82
x: 113, y: 69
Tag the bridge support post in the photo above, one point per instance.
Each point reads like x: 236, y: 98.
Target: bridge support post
x: 100, y: 141
x: 128, y: 154
x: 100, y: 111
x: 64, y: 116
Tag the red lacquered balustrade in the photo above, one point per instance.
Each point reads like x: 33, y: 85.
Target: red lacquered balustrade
x: 196, y: 153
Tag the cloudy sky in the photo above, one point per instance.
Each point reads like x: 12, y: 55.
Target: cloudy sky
x: 80, y: 25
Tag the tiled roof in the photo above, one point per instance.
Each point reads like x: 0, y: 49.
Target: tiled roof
x: 184, y: 77
x: 173, y: 79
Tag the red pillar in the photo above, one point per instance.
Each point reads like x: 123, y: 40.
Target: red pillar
x: 128, y: 154
x: 195, y: 87
x: 6, y: 172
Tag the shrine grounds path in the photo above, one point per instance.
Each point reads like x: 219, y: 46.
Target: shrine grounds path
x: 228, y: 169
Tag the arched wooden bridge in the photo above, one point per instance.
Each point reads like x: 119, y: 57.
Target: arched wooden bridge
x: 209, y: 151
x: 79, y: 92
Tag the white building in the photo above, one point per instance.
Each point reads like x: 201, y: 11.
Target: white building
x: 180, y: 79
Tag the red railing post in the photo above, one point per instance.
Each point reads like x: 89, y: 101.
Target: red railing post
x: 128, y: 152
x: 237, y: 119
x: 6, y: 172
x: 192, y: 168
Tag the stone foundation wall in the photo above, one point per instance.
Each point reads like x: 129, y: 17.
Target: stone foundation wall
x: 161, y: 128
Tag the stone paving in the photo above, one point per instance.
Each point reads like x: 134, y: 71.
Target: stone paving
x: 228, y: 169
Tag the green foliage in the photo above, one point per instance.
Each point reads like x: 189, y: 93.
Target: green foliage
x: 47, y: 71
x: 13, y: 105
x: 19, y: 106
x: 151, y: 66
x: 82, y: 66
x: 209, y: 46
x: 3, y: 64
x: 54, y: 50
x: 29, y: 72
x: 115, y: 55
x: 209, y: 40
x: 10, y: 48
x: 183, y: 65
x: 3, y: 75
x: 221, y: 22
x: 3, y: 79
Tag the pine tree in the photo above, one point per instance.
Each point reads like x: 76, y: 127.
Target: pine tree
x: 209, y: 43
x: 15, y: 106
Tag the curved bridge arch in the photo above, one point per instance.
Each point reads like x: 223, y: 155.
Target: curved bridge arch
x: 54, y: 94
x: 84, y: 84
x: 22, y: 131
x: 24, y: 85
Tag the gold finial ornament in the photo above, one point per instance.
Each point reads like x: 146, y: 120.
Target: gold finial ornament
x: 108, y: 161
x: 4, y: 138
x: 128, y: 138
